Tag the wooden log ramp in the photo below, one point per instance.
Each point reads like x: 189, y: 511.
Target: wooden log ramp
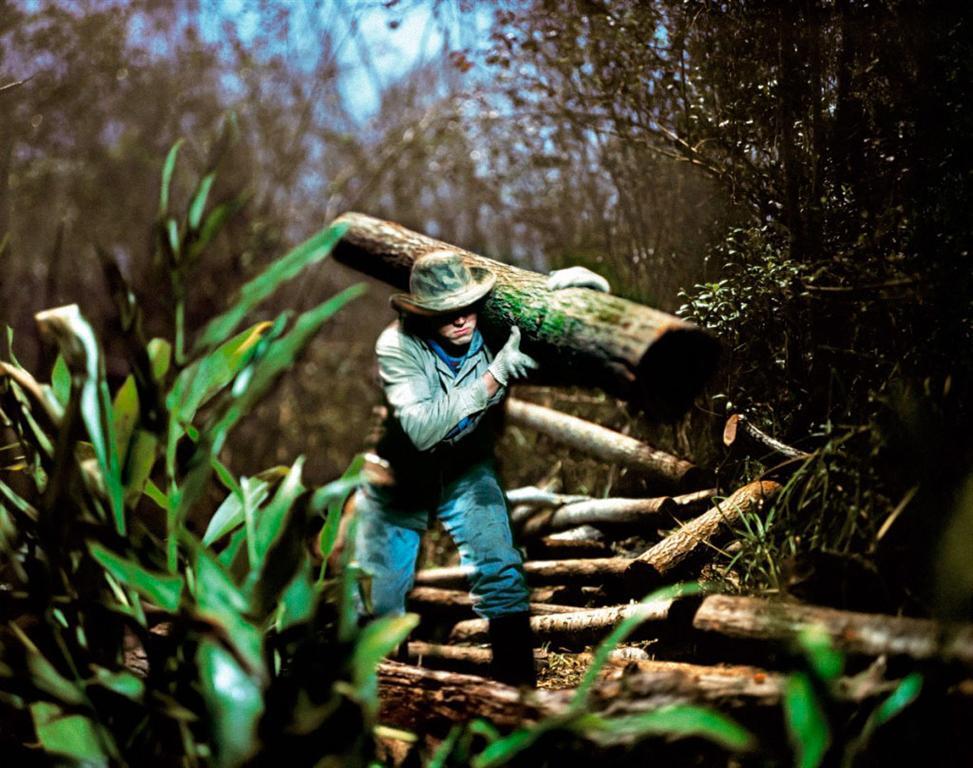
x: 655, y: 360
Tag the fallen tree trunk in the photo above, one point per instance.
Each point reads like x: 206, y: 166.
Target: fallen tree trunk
x: 570, y: 628
x: 696, y: 534
x: 427, y: 700
x: 557, y: 548
x: 739, y: 429
x: 579, y: 336
x: 422, y: 599
x: 605, y: 444
x: 478, y: 659
x: 596, y: 570
x: 863, y: 633
x: 600, y: 512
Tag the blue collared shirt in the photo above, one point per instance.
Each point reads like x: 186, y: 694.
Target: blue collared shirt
x: 455, y: 364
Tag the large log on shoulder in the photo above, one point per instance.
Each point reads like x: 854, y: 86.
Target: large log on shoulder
x: 580, y: 336
x: 863, y: 633
x: 606, y: 444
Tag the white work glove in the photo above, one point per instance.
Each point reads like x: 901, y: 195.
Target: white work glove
x: 510, y: 363
x: 577, y: 277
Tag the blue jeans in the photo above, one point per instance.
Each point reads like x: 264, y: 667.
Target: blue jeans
x: 473, y: 510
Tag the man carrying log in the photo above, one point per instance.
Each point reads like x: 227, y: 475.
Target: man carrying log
x: 443, y: 387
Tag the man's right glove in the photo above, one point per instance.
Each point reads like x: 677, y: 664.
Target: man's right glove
x: 510, y: 363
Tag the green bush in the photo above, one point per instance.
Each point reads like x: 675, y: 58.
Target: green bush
x: 126, y: 637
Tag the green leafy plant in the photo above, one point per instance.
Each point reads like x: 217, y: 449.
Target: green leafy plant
x: 128, y: 639
x: 809, y: 705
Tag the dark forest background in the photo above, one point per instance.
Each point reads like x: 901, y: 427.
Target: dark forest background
x: 794, y: 176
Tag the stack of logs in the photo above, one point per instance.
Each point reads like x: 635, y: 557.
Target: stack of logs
x: 729, y: 652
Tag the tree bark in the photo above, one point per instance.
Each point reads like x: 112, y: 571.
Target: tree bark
x: 696, y: 534
x: 461, y: 657
x: 739, y: 426
x: 558, y: 548
x: 852, y: 632
x: 423, y: 599
x: 427, y: 700
x: 570, y: 628
x: 605, y: 444
x: 580, y: 336
x: 600, y: 512
x: 596, y: 570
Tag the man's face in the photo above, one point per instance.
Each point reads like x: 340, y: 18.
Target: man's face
x: 457, y: 327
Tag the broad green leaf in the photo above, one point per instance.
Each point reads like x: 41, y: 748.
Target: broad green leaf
x: 126, y: 412
x: 43, y: 674
x: 220, y: 600
x: 333, y: 497
x: 214, y: 589
x: 165, y: 590
x: 72, y: 736
x: 261, y: 287
x: 227, y: 557
x: 198, y: 204
x: 213, y: 224
x: 376, y: 641
x: 826, y: 661
x: 298, y: 600
x: 905, y: 693
x: 235, y: 702
x: 18, y: 501
x: 156, y: 494
x: 207, y: 376
x: 78, y: 344
x: 172, y: 233
x: 61, y: 380
x: 502, y: 750
x: 230, y: 513
x: 226, y: 476
x: 168, y: 167
x: 678, y: 720
x: 160, y: 355
x: 280, y: 356
x: 806, y: 722
x: 270, y: 523
x: 123, y: 683
x: 141, y: 458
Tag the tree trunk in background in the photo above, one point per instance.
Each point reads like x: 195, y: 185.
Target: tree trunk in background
x: 579, y: 336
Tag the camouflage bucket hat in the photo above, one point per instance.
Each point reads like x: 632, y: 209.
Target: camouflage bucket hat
x: 441, y: 282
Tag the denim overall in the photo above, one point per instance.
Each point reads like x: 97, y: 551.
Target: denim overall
x: 438, y: 438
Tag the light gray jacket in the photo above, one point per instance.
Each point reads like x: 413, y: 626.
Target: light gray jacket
x: 424, y: 396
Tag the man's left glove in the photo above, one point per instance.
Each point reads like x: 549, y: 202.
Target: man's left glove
x: 577, y: 277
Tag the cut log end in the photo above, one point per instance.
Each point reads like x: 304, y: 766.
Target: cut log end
x: 674, y: 370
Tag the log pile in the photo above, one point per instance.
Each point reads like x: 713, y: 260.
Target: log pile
x: 726, y: 651
x: 740, y: 648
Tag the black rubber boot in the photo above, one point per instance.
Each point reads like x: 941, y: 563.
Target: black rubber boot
x: 513, y: 650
